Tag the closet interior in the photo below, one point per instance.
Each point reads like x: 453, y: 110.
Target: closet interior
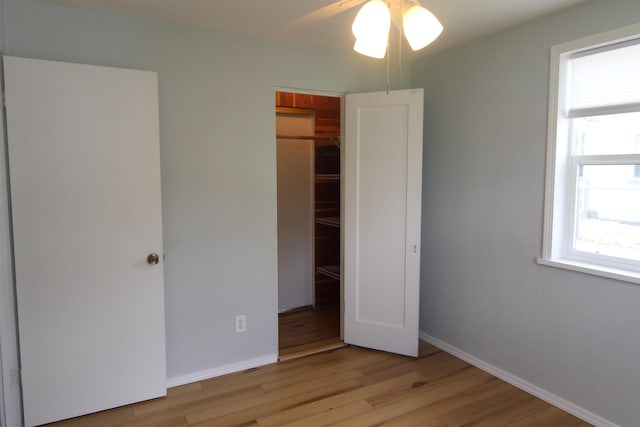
x: 312, y: 121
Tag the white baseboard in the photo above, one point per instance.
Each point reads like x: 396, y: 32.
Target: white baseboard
x: 221, y: 370
x: 540, y: 393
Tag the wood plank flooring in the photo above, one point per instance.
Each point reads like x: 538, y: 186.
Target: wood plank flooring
x: 351, y: 387
x: 310, y: 331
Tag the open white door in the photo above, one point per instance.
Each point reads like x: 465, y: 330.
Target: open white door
x: 85, y: 188
x: 383, y: 181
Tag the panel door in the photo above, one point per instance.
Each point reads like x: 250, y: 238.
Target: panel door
x: 85, y: 189
x: 382, y: 212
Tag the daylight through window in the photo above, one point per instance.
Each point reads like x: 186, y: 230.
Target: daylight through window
x: 592, y: 206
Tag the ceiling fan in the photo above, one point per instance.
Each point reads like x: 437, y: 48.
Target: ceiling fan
x: 373, y: 21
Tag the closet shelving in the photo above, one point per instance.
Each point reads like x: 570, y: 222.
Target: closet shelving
x: 327, y: 177
x: 327, y: 209
x: 332, y: 221
x: 332, y: 271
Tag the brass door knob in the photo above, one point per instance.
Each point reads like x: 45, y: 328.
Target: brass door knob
x: 153, y: 259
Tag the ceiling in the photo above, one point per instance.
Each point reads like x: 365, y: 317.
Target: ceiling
x: 308, y: 22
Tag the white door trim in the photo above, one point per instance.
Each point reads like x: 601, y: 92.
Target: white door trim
x: 9, y: 365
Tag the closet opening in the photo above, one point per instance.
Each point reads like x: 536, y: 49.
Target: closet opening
x: 308, y: 149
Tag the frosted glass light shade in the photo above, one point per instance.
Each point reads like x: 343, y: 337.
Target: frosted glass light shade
x: 375, y: 47
x: 421, y: 27
x: 371, y: 29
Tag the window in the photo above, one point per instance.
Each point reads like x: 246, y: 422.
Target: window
x: 592, y: 195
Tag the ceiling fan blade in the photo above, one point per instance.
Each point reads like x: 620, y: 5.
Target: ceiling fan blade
x: 317, y: 16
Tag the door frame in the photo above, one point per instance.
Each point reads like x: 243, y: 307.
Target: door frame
x: 9, y: 355
x: 340, y: 95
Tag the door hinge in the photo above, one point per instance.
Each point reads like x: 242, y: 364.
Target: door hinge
x: 16, y: 376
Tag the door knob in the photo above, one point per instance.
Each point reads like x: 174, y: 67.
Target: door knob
x: 153, y: 259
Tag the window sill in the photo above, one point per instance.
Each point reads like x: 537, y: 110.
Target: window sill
x: 596, y: 270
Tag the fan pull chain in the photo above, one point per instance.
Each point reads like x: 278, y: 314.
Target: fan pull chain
x: 400, y: 29
x: 388, y: 60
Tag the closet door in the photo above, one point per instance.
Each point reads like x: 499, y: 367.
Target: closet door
x: 382, y: 206
x: 84, y: 164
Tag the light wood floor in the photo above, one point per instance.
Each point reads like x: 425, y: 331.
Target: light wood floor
x: 346, y: 387
x: 310, y: 331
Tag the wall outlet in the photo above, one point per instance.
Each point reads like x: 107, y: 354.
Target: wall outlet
x: 241, y: 323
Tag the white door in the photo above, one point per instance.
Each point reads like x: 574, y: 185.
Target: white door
x: 383, y: 173
x: 295, y: 210
x: 85, y: 191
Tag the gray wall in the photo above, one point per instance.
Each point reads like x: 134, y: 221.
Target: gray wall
x: 574, y: 335
x: 217, y: 130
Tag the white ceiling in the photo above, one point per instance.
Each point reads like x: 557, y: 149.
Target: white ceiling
x: 463, y: 20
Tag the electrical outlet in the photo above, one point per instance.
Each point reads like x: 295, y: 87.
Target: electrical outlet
x: 241, y: 323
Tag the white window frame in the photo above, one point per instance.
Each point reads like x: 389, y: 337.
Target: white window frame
x: 561, y: 168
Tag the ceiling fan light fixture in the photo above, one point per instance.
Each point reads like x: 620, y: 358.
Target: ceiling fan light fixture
x: 421, y: 27
x: 371, y: 26
x: 375, y: 47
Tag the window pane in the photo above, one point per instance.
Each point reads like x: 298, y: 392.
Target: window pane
x: 608, y: 211
x: 611, y: 134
